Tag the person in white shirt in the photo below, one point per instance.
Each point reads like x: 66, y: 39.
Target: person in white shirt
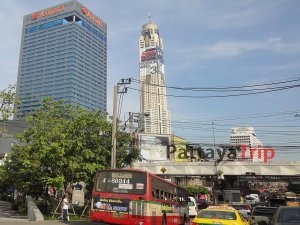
x: 65, y: 208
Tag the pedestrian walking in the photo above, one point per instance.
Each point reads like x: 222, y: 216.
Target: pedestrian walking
x: 65, y: 207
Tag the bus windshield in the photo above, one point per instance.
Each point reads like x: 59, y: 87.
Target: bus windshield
x: 121, y: 182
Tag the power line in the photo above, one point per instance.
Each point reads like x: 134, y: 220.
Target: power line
x: 241, y: 117
x: 250, y: 89
x: 223, y: 96
x: 228, y: 88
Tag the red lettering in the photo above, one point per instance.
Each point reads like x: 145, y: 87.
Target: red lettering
x: 48, y: 12
x: 266, y: 153
x: 259, y: 151
x: 34, y: 16
x: 252, y: 150
x: 41, y: 14
x: 267, y: 156
x: 92, y: 17
x: 244, y: 149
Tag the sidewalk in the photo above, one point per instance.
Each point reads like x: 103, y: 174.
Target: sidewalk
x: 7, y: 212
x: 11, y: 221
x: 11, y: 217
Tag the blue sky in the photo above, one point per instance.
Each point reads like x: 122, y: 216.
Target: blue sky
x: 207, y: 44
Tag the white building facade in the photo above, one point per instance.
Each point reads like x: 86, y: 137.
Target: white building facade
x: 246, y: 136
x: 153, y: 97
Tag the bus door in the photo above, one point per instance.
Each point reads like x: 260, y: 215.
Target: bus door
x: 138, y: 210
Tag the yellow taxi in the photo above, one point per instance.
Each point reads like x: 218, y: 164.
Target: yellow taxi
x: 219, y: 215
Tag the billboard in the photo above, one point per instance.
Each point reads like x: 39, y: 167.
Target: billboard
x: 152, y: 54
x: 180, y: 153
x: 148, y: 55
x: 154, y: 147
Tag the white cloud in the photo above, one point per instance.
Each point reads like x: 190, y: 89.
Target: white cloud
x: 275, y: 44
x: 232, y: 49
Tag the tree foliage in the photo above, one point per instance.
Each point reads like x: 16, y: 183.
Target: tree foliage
x: 8, y: 100
x: 64, y: 144
x: 196, y: 189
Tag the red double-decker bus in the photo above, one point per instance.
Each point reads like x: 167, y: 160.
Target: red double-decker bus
x: 136, y: 197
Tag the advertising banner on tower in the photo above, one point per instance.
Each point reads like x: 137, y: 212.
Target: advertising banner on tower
x: 152, y: 54
x: 154, y: 147
x: 148, y: 55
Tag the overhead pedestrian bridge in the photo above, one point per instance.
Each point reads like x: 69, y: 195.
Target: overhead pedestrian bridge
x: 211, y: 168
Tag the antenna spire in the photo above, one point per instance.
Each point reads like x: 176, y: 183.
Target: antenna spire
x: 149, y: 17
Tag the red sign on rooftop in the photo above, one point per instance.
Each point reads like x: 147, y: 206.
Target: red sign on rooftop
x: 47, y: 12
x: 90, y: 15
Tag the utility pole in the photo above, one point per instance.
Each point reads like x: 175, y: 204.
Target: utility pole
x: 214, y: 139
x: 114, y: 129
x: 123, y: 82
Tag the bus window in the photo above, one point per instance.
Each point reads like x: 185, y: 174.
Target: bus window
x: 121, y: 182
x: 153, y: 193
x: 157, y: 194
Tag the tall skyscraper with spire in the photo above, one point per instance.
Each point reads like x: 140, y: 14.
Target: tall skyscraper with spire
x: 153, y: 97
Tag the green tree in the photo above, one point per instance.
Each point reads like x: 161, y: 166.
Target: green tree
x: 8, y: 100
x: 62, y: 145
x: 194, y: 190
x: 4, y: 180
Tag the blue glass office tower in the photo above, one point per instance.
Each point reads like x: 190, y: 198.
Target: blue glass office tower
x: 63, y: 55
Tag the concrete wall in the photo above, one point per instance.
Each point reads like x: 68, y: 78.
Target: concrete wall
x: 33, y: 212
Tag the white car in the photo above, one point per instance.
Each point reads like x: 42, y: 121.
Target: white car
x: 250, y: 199
x: 193, y: 208
x: 256, y: 197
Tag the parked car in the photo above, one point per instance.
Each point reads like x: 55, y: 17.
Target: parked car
x: 193, y: 208
x: 243, y: 208
x: 286, y: 215
x: 250, y: 199
x: 256, y: 196
x: 261, y: 215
